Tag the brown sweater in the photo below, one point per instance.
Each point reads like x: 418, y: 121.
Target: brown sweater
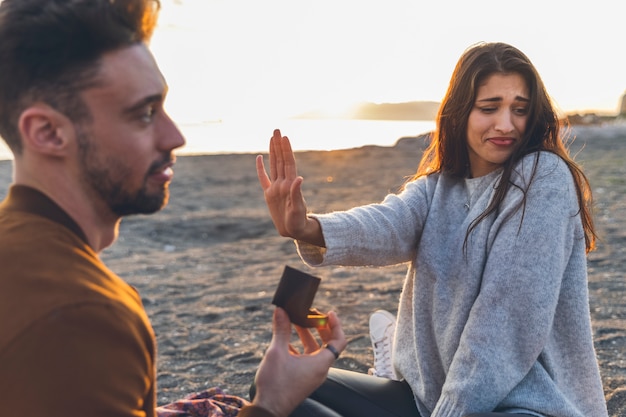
x: 74, y: 337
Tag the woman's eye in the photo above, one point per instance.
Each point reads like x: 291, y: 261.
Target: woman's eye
x: 521, y: 111
x: 487, y: 109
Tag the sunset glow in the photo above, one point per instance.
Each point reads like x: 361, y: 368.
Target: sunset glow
x: 276, y: 58
x: 237, y: 69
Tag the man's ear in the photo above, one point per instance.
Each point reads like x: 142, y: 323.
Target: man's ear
x: 45, y: 130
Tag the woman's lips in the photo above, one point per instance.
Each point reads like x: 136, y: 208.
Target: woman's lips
x: 502, y: 141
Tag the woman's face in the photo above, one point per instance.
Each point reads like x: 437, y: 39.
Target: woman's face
x: 497, y: 122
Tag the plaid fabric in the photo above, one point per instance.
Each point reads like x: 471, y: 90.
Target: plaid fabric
x: 210, y: 403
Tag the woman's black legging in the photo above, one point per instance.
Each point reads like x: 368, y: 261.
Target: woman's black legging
x: 354, y: 394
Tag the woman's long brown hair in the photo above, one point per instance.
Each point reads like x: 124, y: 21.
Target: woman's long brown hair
x: 448, y: 149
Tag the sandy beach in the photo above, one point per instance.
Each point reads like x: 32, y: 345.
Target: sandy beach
x: 208, y: 264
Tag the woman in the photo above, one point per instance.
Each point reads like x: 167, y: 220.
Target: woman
x: 495, y: 225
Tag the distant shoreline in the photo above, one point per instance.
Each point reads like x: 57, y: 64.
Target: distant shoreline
x: 614, y: 126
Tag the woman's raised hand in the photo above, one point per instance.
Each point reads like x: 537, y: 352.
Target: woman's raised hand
x: 283, y: 193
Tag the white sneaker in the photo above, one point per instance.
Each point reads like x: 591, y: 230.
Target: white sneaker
x: 382, y: 328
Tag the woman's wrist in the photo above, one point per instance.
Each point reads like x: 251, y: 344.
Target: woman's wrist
x: 313, y: 233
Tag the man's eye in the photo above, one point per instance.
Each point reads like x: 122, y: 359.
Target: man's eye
x: 148, y: 114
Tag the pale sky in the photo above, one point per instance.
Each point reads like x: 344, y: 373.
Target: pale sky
x: 280, y: 57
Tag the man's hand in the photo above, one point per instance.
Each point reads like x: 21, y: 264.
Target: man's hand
x: 286, y: 377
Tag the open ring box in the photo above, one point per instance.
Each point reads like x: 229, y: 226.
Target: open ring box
x: 295, y: 293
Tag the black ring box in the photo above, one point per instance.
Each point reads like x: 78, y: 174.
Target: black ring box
x: 295, y: 293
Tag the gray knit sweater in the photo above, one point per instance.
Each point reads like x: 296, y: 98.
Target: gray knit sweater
x: 504, y: 328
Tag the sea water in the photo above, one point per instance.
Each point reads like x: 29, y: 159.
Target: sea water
x: 252, y: 136
x: 304, y: 134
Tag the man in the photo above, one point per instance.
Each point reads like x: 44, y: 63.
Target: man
x: 81, y: 108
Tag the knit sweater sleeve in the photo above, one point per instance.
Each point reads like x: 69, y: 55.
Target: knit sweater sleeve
x: 375, y: 234
x: 511, y: 321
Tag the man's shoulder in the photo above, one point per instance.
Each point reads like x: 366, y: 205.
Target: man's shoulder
x: 51, y: 271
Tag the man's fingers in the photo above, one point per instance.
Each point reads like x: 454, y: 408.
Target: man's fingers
x: 325, y: 333
x: 281, y: 326
x: 309, y: 343
x: 335, y: 333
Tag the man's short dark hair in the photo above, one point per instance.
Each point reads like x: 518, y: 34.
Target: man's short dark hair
x: 50, y: 51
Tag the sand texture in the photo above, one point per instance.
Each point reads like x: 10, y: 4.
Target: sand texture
x: 208, y: 264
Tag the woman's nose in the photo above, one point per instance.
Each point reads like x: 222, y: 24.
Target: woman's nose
x: 504, y: 121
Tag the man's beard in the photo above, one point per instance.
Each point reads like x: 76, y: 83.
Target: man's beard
x: 107, y: 179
